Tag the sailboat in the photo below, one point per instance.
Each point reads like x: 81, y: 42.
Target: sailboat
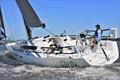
x: 61, y: 50
x: 28, y: 52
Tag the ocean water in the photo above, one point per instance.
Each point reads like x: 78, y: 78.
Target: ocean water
x: 32, y: 72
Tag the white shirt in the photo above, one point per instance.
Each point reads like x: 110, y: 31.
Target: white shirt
x: 99, y: 35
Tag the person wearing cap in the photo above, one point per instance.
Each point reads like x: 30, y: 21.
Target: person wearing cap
x: 98, y: 33
x: 96, y: 37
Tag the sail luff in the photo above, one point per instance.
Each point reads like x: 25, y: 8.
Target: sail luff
x: 1, y: 20
x: 29, y: 15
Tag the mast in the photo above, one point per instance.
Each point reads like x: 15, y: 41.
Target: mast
x: 1, y: 21
x: 31, y: 20
x: 28, y: 30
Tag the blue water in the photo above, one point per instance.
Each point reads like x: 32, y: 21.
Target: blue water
x: 32, y: 72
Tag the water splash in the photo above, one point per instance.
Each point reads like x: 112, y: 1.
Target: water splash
x: 10, y: 69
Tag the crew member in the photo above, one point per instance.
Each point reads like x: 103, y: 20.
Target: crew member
x: 98, y: 33
x: 96, y: 37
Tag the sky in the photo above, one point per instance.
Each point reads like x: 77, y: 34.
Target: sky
x: 72, y: 16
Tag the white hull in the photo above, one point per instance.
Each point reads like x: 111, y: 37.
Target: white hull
x: 99, y: 58
x: 52, y: 60
x: 85, y: 58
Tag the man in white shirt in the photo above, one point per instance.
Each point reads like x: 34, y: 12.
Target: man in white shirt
x: 98, y: 33
x: 96, y: 38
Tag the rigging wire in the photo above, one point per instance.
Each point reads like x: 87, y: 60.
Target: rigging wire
x: 49, y: 31
x: 55, y: 35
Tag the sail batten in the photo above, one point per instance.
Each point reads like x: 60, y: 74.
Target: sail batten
x: 29, y: 15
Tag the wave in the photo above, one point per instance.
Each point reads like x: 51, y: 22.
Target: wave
x: 12, y: 69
